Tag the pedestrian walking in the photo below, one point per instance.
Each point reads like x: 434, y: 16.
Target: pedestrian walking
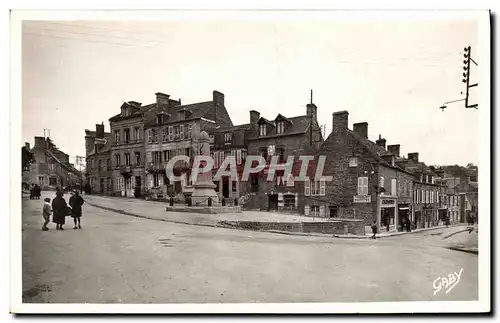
x: 37, y: 191
x: 32, y: 191
x: 408, y: 225
x: 46, y: 212
x: 60, y: 210
x: 374, y: 229
x: 76, y: 202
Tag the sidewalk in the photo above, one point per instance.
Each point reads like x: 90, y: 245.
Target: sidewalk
x: 156, y: 211
x: 395, y: 234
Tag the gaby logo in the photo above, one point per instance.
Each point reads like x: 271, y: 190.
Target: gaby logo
x: 447, y: 282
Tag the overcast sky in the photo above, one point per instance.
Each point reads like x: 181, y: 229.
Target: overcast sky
x: 393, y: 75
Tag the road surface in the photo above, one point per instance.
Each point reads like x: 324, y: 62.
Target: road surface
x: 117, y: 258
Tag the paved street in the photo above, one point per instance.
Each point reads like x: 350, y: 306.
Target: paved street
x: 117, y: 258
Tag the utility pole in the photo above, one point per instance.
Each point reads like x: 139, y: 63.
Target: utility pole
x: 466, y: 75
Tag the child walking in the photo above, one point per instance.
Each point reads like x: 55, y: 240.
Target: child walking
x: 46, y: 212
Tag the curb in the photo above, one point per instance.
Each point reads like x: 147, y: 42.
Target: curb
x: 472, y: 251
x: 148, y: 217
x: 225, y: 225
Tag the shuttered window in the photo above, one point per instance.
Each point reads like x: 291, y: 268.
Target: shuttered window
x: 307, y: 187
x: 238, y: 157
x: 322, y: 187
x: 394, y: 187
x: 363, y: 185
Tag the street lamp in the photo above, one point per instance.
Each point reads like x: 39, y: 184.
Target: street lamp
x: 444, y: 104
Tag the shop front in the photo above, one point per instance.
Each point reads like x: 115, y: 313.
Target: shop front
x: 388, y: 217
x: 404, y: 214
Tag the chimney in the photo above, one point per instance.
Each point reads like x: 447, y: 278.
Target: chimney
x: 394, y: 149
x: 361, y: 129
x: 99, y: 129
x: 380, y: 141
x: 40, y: 142
x: 254, y: 116
x: 218, y: 98
x: 413, y: 156
x: 162, y: 98
x: 312, y: 111
x: 27, y: 146
x: 340, y: 122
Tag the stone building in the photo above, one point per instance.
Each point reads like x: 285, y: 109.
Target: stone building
x: 450, y: 198
x: 127, y: 149
x: 230, y: 141
x: 172, y: 129
x: 428, y: 192
x: 281, y: 138
x: 98, y: 161
x: 368, y: 182
x: 51, y: 168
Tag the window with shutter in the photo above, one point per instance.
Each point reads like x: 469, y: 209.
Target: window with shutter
x: 238, y: 156
x: 307, y: 187
x: 394, y: 187
x: 165, y: 134
x: 306, y: 210
x: 170, y: 133
x: 181, y: 132
x: 322, y: 187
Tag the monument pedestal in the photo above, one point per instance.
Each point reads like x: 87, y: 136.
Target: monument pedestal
x: 202, y: 191
x: 204, y: 188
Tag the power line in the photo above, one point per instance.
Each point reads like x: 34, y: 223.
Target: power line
x: 96, y: 35
x: 100, y: 28
x: 85, y: 40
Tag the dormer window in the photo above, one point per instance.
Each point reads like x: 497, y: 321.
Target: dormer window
x: 280, y: 127
x: 228, y: 137
x: 262, y: 130
x: 160, y: 119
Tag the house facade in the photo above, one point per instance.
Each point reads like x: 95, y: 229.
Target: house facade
x: 51, y: 167
x: 429, y: 209
x: 366, y: 182
x: 98, y: 161
x: 281, y: 140
x: 127, y: 149
x: 172, y: 130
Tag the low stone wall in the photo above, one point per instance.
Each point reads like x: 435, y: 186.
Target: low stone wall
x: 355, y: 227
x: 204, y: 210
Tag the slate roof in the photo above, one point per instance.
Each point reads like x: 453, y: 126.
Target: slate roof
x: 246, y: 126
x: 104, y: 148
x: 197, y: 110
x: 378, y: 152
x: 298, y: 125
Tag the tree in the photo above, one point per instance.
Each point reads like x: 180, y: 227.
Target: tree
x: 27, y: 159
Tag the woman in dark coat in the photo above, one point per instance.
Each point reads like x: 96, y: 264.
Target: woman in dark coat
x: 60, y: 210
x: 76, y: 202
x: 38, y: 191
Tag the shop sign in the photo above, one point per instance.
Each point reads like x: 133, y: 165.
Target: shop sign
x: 362, y: 198
x: 388, y: 202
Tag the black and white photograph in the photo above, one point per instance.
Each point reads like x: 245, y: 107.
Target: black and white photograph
x: 313, y: 161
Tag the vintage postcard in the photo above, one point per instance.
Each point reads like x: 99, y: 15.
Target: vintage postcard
x: 250, y: 161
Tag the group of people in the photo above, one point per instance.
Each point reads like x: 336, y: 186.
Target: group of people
x: 35, y: 192
x: 60, y: 210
